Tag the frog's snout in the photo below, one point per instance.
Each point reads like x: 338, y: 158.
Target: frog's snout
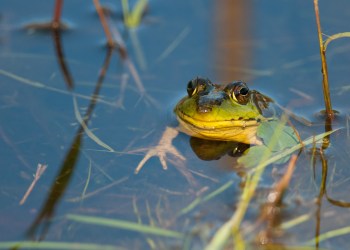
x: 208, y: 101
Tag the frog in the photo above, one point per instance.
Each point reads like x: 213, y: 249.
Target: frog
x: 224, y: 112
x: 219, y: 112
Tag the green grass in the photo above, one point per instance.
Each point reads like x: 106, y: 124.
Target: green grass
x: 55, y: 245
x: 126, y: 225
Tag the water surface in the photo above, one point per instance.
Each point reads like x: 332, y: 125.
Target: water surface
x: 272, y: 45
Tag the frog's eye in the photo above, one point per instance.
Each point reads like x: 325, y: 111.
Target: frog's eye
x: 191, y: 88
x: 244, y: 91
x: 197, y: 85
x: 238, y: 92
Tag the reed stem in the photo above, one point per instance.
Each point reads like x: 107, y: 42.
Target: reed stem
x: 57, y: 14
x: 325, y: 85
x: 110, y: 40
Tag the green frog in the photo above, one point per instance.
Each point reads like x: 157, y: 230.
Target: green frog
x: 227, y: 112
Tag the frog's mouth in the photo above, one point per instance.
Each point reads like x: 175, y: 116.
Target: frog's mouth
x: 225, y: 130
x: 217, y: 124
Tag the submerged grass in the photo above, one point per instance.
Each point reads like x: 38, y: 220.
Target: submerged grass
x: 149, y: 240
x: 133, y: 18
x: 41, y: 85
x: 200, y: 200
x: 296, y: 221
x: 97, y: 191
x: 87, y: 181
x: 127, y: 225
x: 88, y: 132
x: 329, y: 235
x: 55, y: 245
x: 283, y: 247
x: 231, y: 227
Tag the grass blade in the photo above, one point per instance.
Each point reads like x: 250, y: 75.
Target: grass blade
x: 334, y: 37
x: 55, y: 245
x: 87, y: 130
x: 127, y: 225
x: 211, y: 195
x: 330, y: 234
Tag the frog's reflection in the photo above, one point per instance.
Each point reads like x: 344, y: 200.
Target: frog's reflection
x: 209, y: 150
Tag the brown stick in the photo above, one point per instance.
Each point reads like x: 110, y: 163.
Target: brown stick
x: 282, y: 185
x: 326, y: 93
x: 104, y: 23
x: 57, y: 14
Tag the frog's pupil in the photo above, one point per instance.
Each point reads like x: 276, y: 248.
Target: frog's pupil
x: 244, y: 91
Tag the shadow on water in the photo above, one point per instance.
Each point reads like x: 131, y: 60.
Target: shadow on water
x: 320, y: 153
x: 62, y: 179
x: 60, y: 56
x: 41, y: 224
x: 56, y: 27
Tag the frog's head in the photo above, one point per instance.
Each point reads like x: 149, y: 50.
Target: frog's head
x: 221, y: 112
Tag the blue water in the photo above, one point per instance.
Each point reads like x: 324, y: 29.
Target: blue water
x: 177, y: 41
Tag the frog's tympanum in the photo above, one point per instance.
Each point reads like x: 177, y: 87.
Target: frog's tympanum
x: 228, y: 112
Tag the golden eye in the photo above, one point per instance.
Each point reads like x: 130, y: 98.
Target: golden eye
x: 238, y: 92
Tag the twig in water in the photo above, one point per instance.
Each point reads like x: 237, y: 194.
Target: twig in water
x: 97, y: 191
x: 104, y: 23
x: 123, y: 85
x: 174, y: 44
x: 56, y: 21
x: 39, y: 171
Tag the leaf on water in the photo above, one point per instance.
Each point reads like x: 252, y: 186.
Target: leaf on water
x: 286, y: 138
x: 274, y: 142
x: 253, y: 155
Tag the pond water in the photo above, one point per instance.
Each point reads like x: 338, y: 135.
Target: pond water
x: 89, y: 193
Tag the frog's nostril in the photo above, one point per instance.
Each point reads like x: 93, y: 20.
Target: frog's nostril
x: 204, y: 109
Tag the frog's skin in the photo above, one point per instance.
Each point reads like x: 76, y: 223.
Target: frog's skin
x: 229, y: 112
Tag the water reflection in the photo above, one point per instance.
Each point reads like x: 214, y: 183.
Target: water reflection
x: 56, y: 33
x: 60, y: 184
x: 213, y: 150
x: 233, y: 43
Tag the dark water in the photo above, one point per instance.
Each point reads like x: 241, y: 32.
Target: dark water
x: 270, y: 44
